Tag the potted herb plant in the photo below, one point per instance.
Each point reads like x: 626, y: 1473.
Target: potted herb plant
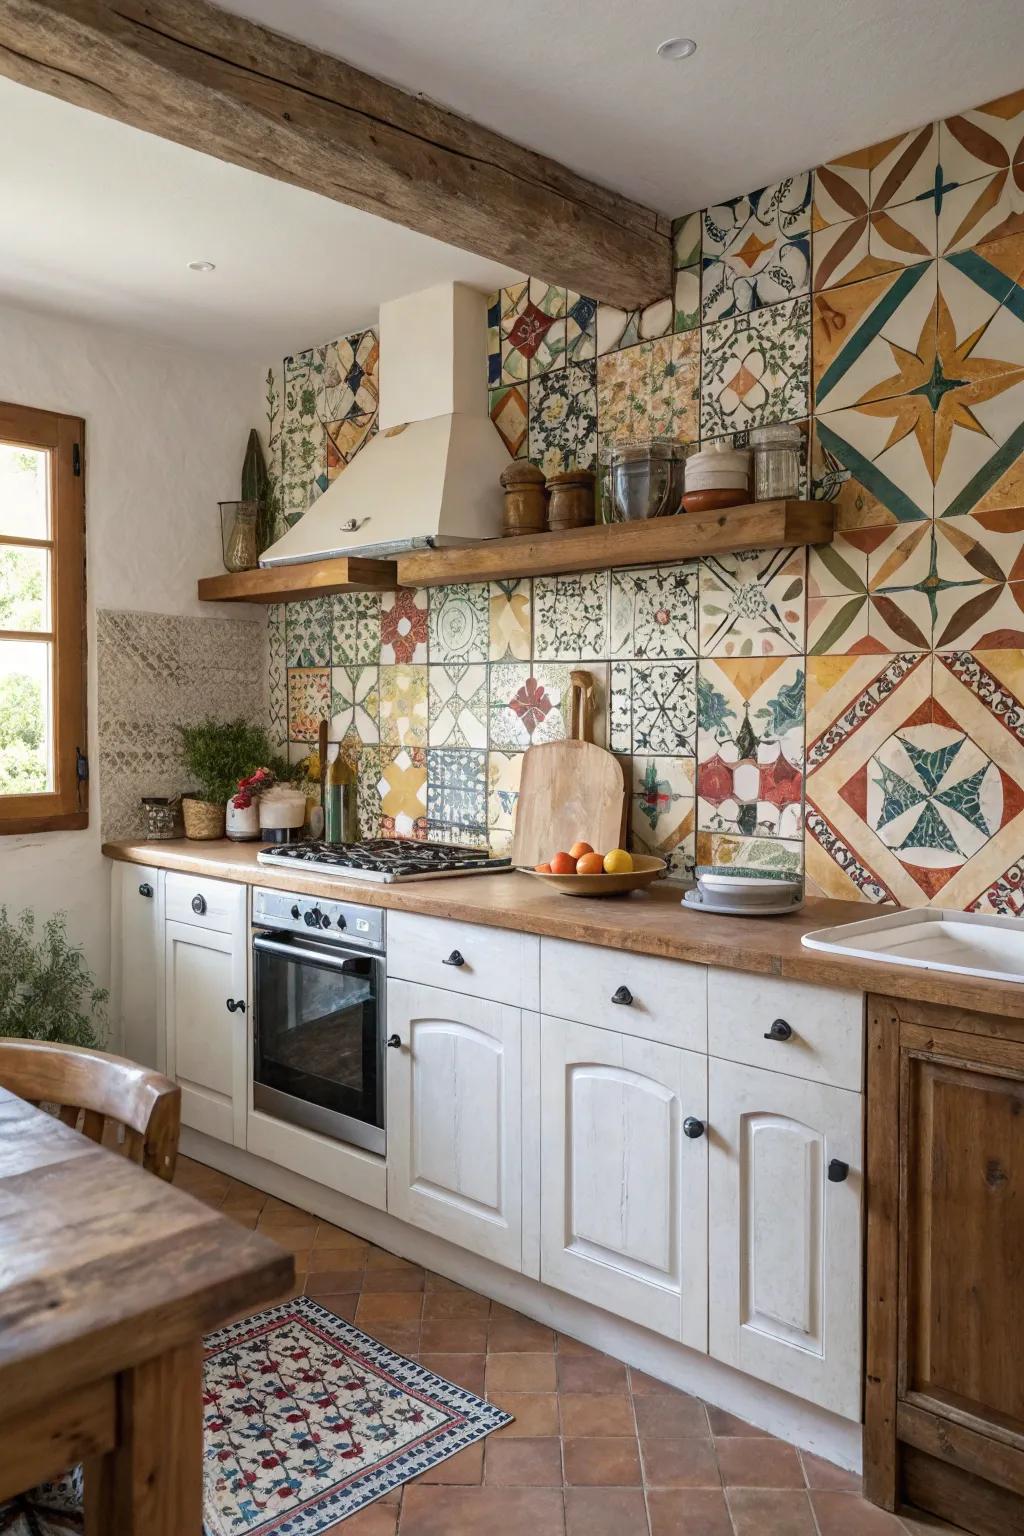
x: 47, y: 991
x: 217, y: 755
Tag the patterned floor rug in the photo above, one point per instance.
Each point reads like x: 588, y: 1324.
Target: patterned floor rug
x: 306, y: 1420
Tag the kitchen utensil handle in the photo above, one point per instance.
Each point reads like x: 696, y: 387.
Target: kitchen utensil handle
x: 581, y: 706
x: 321, y: 747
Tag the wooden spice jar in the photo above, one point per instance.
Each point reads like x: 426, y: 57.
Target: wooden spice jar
x: 572, y: 499
x: 525, y: 509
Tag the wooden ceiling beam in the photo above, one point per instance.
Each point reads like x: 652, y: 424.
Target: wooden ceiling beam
x: 217, y: 83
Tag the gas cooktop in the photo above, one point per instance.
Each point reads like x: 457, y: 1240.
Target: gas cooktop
x: 385, y: 859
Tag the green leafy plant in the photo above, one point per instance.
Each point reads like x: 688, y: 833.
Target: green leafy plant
x: 47, y: 992
x: 217, y: 754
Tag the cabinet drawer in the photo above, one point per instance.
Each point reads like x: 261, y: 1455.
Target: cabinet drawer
x: 827, y: 1023
x: 495, y: 963
x: 218, y: 905
x: 640, y: 995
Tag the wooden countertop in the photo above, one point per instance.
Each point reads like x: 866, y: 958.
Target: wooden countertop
x: 647, y: 923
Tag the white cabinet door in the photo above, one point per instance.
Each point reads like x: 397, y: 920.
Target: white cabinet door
x: 785, y: 1240
x: 455, y: 1154
x: 136, y: 967
x: 206, y: 1041
x: 623, y: 1189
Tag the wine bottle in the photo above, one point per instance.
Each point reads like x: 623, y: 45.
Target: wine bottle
x: 341, y: 821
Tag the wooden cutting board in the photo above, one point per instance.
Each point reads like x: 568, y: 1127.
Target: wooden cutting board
x: 570, y: 792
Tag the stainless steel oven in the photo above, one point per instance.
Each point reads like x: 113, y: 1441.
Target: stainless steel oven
x: 318, y: 1017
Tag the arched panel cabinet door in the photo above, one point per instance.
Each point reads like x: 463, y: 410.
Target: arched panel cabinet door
x: 785, y: 1190
x: 623, y: 1186
x: 454, y: 1118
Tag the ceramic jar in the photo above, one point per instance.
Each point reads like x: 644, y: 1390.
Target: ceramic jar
x: 242, y: 823
x: 717, y: 477
x: 571, y: 503
x: 525, y: 509
x: 282, y: 813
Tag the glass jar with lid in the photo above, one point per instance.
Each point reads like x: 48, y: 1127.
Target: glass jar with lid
x: 777, y: 451
x: 645, y: 479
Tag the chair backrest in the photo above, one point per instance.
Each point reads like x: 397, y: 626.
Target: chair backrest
x: 108, y: 1098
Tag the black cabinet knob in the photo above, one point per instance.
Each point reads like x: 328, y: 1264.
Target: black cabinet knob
x: 837, y: 1171
x: 693, y: 1127
x: 236, y: 1005
x: 780, y: 1030
x: 394, y: 1042
x: 145, y: 889
x: 455, y: 958
x: 199, y: 905
x: 622, y: 995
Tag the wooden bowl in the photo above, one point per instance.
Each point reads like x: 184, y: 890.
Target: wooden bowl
x: 645, y: 869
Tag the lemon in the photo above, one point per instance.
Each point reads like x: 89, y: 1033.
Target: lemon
x: 618, y: 862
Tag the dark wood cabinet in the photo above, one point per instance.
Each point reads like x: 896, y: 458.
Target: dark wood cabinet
x: 945, y: 1284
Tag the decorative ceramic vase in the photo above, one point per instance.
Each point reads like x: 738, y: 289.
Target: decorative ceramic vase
x: 242, y: 823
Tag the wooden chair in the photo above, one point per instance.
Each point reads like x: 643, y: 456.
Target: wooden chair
x: 109, y: 1099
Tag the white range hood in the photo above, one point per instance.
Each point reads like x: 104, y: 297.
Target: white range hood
x: 430, y: 477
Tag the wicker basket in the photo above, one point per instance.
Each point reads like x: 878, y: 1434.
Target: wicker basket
x: 204, y: 820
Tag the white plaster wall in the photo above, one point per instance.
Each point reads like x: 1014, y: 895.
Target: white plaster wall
x: 165, y: 435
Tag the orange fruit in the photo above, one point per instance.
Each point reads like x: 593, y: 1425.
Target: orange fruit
x: 590, y: 864
x: 563, y: 864
x: 578, y: 850
x: 543, y: 869
x: 618, y: 862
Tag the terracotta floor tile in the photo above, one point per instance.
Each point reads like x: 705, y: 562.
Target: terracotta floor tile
x: 389, y: 1307
x: 566, y: 1345
x: 335, y: 1258
x: 602, y: 1463
x: 334, y: 1282
x: 523, y: 1463
x: 917, y: 1523
x: 506, y: 1334
x: 846, y: 1514
x: 585, y: 1414
x: 520, y: 1373
x: 590, y: 1373
x: 465, y: 1370
x: 605, y: 1512
x: 455, y: 1336
x: 770, y: 1512
x: 534, y: 1413
x: 688, y: 1512
x: 328, y: 1236
x: 441, y: 1305
x: 765, y: 1463
x: 377, y: 1519
x: 465, y: 1468
x: 437, y: 1282
x: 403, y: 1338
x: 680, y: 1464
x: 341, y: 1306
x: 288, y: 1237
x: 432, y: 1511
x: 723, y: 1423
x: 669, y: 1416
x: 393, y: 1280
x: 241, y: 1219
x: 823, y: 1474
x: 380, y: 1258
x: 641, y: 1384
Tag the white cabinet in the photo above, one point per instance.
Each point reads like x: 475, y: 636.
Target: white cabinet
x: 205, y: 967
x: 785, y: 1238
x: 136, y: 968
x: 623, y: 1187
x: 454, y: 1118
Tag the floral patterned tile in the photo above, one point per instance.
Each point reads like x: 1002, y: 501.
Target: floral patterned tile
x: 458, y: 622
x: 457, y: 796
x: 308, y: 630
x: 511, y: 620
x: 874, y: 243
x: 355, y: 640
x: 403, y: 627
x: 570, y: 616
x: 687, y: 299
x: 757, y: 249
x: 277, y: 677
x: 504, y: 770
x: 991, y: 138
x: 753, y: 603
x: 663, y: 811
x: 355, y: 704
x: 885, y: 175
x: 509, y: 414
x: 620, y: 328
x: 755, y: 369
x: 529, y: 703
x: 563, y: 418
x: 364, y: 758
x: 309, y: 701
x: 654, y: 612
x: 653, y: 707
x: 403, y: 706
x: 686, y: 240
x: 458, y: 704
x: 875, y: 338
x: 402, y: 788
x: 874, y: 462
x: 651, y: 389
x: 982, y: 210
x: 750, y: 741
x: 580, y: 328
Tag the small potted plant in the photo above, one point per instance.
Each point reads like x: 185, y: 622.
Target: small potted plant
x: 217, y: 756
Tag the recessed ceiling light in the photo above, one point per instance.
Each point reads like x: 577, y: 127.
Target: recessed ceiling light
x: 677, y: 48
x: 202, y: 266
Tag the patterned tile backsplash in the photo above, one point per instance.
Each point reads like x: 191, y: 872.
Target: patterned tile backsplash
x: 856, y: 709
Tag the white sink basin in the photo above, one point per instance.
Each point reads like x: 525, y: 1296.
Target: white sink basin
x: 967, y: 943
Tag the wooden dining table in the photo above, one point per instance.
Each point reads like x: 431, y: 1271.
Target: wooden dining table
x: 109, y: 1278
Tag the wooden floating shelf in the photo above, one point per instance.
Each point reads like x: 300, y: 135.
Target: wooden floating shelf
x: 657, y: 541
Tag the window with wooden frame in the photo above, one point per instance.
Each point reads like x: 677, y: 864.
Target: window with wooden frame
x: 43, y: 784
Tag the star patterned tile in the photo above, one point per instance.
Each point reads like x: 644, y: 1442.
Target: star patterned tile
x: 511, y: 620
x: 980, y: 211
x: 402, y: 788
x: 756, y: 249
x: 662, y: 818
x: 653, y: 613
x: 874, y: 462
x: 653, y: 707
x: 563, y: 418
x: 403, y: 706
x: 750, y: 742
x: 457, y: 708
x: 355, y: 703
x: 890, y: 174
x: 570, y: 617
x: 458, y: 622
x: 875, y: 338
x: 403, y: 627
x: 874, y: 243
x: 755, y: 369
x: 991, y: 138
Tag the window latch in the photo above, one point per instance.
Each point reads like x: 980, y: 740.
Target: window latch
x: 76, y: 458
x: 81, y: 766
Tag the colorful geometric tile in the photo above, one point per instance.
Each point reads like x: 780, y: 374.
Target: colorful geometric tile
x: 753, y: 603
x: 885, y: 175
x: 687, y: 299
x: 621, y: 328
x: 875, y: 338
x: 653, y: 707
x: 532, y: 330
x: 403, y: 627
x: 529, y: 703
x: 457, y: 796
x: 509, y: 414
x: 511, y: 621
x: 344, y: 439
x: 458, y: 622
x: 308, y: 633
x: 403, y: 792
x: 991, y: 138
x: 355, y: 640
x: 355, y: 703
x: 494, y: 341
x: 686, y: 246
x: 874, y: 590
x: 756, y: 249
x: 651, y: 390
x: 874, y: 243
x: 769, y: 853
x: 580, y: 328
x: 403, y: 706
x: 654, y: 612
x: 570, y: 617
x: 504, y: 770
x: 755, y: 369
x: 347, y: 377
x: 874, y: 462
x: 458, y: 704
x: 980, y: 604
x: 563, y: 418
x: 309, y: 701
x: 750, y: 743
x: 663, y: 812
x: 981, y: 211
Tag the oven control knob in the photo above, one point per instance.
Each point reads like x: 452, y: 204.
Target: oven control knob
x: 296, y: 913
x: 341, y: 921
x: 325, y: 921
x: 312, y: 918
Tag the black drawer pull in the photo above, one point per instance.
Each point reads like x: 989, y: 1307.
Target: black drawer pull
x: 780, y: 1030
x: 199, y: 905
x: 236, y: 1005
x: 693, y: 1128
x: 394, y: 1042
x: 837, y: 1171
x: 145, y: 889
x: 623, y: 995
x: 455, y: 958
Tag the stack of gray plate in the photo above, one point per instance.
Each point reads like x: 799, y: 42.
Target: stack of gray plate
x: 738, y: 892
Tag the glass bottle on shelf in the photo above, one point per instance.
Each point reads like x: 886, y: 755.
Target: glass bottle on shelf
x: 341, y: 823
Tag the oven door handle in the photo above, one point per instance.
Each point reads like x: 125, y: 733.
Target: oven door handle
x: 332, y: 962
